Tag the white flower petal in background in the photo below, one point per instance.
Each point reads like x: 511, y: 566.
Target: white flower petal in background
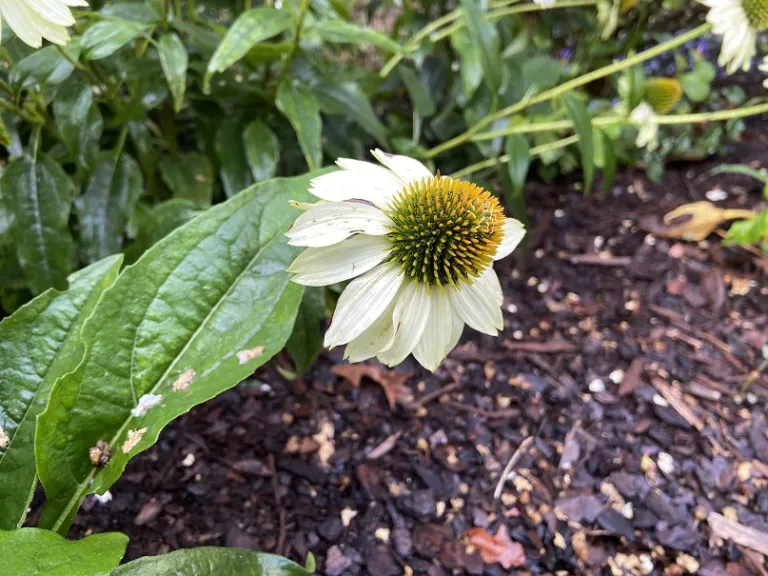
x: 331, y: 222
x: 409, y: 320
x: 362, y: 302
x: 645, y: 118
x: 342, y: 261
x: 738, y: 22
x: 407, y: 169
x: 33, y: 20
x: 514, y: 232
x: 763, y: 67
x: 545, y: 4
x: 145, y: 403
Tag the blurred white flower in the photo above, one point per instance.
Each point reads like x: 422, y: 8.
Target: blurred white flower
x: 763, y: 67
x: 421, y: 250
x: 545, y: 4
x: 33, y: 20
x: 738, y: 22
x: 645, y: 118
x: 145, y: 403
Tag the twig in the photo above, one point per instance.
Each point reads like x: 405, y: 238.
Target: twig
x: 521, y: 450
x: 600, y: 260
x: 427, y: 398
x: 280, y: 548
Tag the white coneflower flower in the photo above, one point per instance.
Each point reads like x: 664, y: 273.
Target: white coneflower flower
x: 420, y: 248
x: 763, y: 67
x: 545, y: 4
x: 33, y: 20
x: 645, y: 119
x: 738, y: 22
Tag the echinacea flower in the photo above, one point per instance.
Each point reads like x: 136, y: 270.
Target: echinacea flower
x: 662, y: 94
x: 420, y: 249
x: 33, y: 20
x: 738, y: 22
x: 763, y: 67
x: 645, y: 118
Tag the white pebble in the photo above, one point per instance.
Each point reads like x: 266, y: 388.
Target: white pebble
x: 716, y: 195
x: 598, y: 242
x: 189, y: 459
x: 559, y: 213
x: 597, y: 386
x: 617, y: 376
x: 660, y: 401
x: 103, y: 498
x: 512, y: 309
x: 666, y: 463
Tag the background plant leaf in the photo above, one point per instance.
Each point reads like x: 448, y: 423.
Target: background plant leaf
x: 306, y: 341
x: 107, y: 36
x: 342, y: 32
x: 519, y: 162
x: 189, y: 176
x: 299, y: 106
x: 262, y: 150
x: 174, y: 60
x: 348, y: 99
x: 578, y: 114
x: 230, y: 152
x: 484, y: 35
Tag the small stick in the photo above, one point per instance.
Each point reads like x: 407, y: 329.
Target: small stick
x: 280, y: 548
x: 521, y: 450
x: 427, y: 398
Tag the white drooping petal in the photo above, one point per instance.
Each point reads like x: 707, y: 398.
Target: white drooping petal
x: 357, y: 180
x: 342, y: 261
x: 362, y: 302
x: 377, y: 338
x: 436, y: 340
x: 409, y: 318
x: 729, y: 19
x: 479, y: 304
x: 55, y: 11
x: 407, y: 169
x: 514, y: 232
x: 331, y: 222
x: 23, y: 21
x: 647, y: 129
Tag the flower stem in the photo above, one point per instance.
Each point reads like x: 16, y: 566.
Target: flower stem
x: 295, y: 46
x: 568, y: 86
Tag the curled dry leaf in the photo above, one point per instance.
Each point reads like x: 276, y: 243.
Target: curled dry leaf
x: 497, y: 548
x: 391, y: 382
x: 698, y: 220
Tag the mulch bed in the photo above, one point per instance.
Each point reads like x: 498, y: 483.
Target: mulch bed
x: 621, y: 372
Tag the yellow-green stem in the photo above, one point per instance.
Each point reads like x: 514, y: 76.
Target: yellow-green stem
x: 568, y: 86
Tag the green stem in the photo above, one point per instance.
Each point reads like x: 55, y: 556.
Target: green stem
x: 535, y: 151
x: 295, y: 46
x: 36, y: 141
x: 570, y: 85
x: 20, y: 113
x: 120, y: 142
x: 84, y: 69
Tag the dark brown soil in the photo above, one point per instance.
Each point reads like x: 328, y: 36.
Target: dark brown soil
x: 621, y: 473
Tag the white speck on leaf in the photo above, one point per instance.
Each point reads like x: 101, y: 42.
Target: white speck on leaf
x: 145, y: 403
x: 245, y: 356
x: 183, y: 381
x: 134, y: 437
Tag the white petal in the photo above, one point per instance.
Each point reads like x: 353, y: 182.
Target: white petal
x: 75, y: 2
x: 407, y: 169
x: 479, y: 304
x: 376, y: 338
x: 55, y: 11
x: 23, y: 21
x: 409, y: 319
x: 358, y: 180
x: 514, y: 232
x: 54, y: 33
x: 342, y: 261
x: 438, y: 335
x: 329, y: 223
x: 362, y: 302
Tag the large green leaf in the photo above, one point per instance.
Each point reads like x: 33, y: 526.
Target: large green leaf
x: 233, y: 164
x: 262, y: 149
x: 250, y: 28
x: 750, y: 231
x: 39, y: 195
x: 298, y: 104
x: 194, y: 316
x: 79, y: 120
x: 174, y: 59
x: 582, y: 122
x: 35, y: 552
x: 306, y: 341
x: 107, y: 204
x: 38, y: 344
x: 189, y: 176
x: 45, y: 67
x: 483, y: 34
x: 206, y: 561
x: 342, y: 32
x: 107, y: 36
x: 348, y: 99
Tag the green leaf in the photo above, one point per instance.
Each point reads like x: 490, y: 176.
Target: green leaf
x: 485, y: 37
x: 750, y: 231
x: 159, y: 221
x: 45, y: 67
x: 5, y: 136
x: 470, y: 65
x: 39, y: 343
x: 79, y: 120
x: 174, y: 59
x: 233, y: 164
x: 519, y: 162
x: 107, y: 36
x: 250, y: 28
x: 210, y: 289
x: 299, y: 106
x: 342, y: 32
x: 39, y: 195
x: 418, y: 92
x: 262, y: 149
x: 205, y: 561
x: 306, y: 341
x: 35, y: 552
x: 578, y: 114
x: 134, y: 11
x: 609, y: 160
x: 107, y: 204
x: 697, y: 83
x: 348, y: 99
x: 189, y: 176
x: 742, y: 169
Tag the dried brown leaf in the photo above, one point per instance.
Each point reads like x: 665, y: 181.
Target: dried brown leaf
x: 497, y: 548
x: 391, y: 382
